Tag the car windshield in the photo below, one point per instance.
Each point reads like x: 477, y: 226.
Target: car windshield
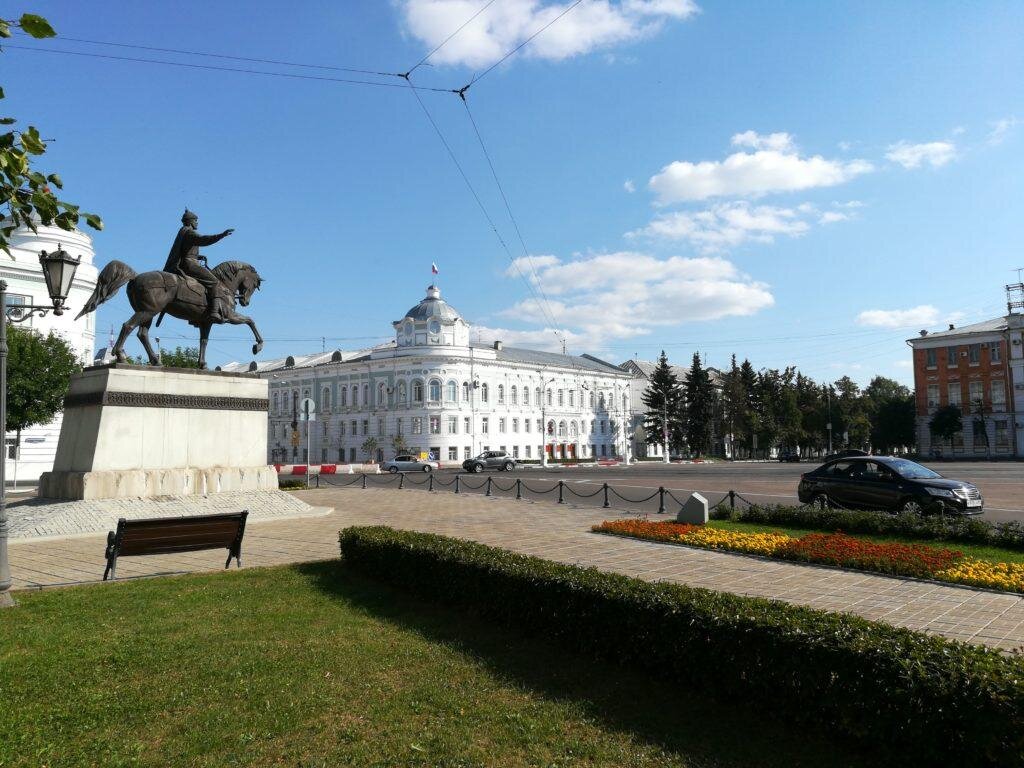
x: 912, y: 470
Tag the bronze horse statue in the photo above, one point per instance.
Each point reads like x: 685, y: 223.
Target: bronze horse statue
x: 156, y: 293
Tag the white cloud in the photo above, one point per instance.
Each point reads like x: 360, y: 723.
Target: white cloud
x: 922, y: 315
x: 903, y: 363
x: 910, y: 156
x: 1000, y: 130
x: 525, y: 265
x: 751, y: 174
x: 629, y: 186
x: 780, y: 142
x: 604, y: 297
x: 830, y: 217
x: 593, y: 25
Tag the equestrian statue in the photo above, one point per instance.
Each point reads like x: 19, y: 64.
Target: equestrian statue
x: 187, y: 288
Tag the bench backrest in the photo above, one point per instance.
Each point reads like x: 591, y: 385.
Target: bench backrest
x: 178, y: 534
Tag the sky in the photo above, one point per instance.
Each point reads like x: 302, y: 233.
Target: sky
x: 796, y: 183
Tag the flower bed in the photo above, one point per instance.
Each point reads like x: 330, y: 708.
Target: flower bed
x: 918, y: 560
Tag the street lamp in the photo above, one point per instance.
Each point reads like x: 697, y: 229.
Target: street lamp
x: 59, y: 271
x: 544, y: 418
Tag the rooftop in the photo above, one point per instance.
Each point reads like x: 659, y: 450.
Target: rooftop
x: 994, y: 325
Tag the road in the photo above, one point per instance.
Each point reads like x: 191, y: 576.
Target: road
x: 1001, y: 483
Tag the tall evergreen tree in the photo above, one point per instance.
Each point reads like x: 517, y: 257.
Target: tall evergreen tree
x: 663, y: 399
x: 700, y: 408
x: 734, y: 408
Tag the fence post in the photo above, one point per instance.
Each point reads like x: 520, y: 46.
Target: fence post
x: 456, y: 483
x: 661, y: 500
x: 430, y: 484
x: 364, y: 481
x: 318, y: 481
x: 488, y: 493
x: 519, y: 489
x: 732, y: 499
x: 401, y: 481
x: 606, y: 502
x: 561, y: 485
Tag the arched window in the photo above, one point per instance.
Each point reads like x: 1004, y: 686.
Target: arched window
x: 484, y: 393
x: 572, y: 398
x: 402, y: 393
x: 600, y: 402
x: 435, y: 390
x: 276, y: 402
x: 561, y: 429
x: 325, y: 399
x: 382, y: 394
x: 537, y: 392
x: 453, y: 392
x: 501, y: 394
x: 551, y: 428
x: 366, y: 394
x: 343, y: 396
x: 561, y: 398
x: 526, y: 395
x: 591, y: 398
x: 465, y: 391
x: 417, y: 391
x: 572, y: 429
x: 549, y: 397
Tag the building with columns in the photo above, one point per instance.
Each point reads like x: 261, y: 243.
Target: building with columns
x: 431, y: 390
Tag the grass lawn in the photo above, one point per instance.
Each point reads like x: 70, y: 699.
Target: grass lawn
x: 981, y: 552
x: 312, y: 666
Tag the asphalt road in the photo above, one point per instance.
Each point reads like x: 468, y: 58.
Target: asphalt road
x: 1001, y: 483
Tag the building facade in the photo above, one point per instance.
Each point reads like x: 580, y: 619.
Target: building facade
x: 34, y: 454
x: 432, y: 391
x: 978, y: 368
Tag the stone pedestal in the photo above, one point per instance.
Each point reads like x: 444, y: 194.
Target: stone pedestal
x: 138, y: 431
x: 694, y: 510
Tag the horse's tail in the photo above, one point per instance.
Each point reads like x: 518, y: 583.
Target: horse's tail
x: 113, y: 276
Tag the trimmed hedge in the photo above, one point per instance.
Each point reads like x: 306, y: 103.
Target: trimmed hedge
x: 966, y: 530
x: 924, y: 699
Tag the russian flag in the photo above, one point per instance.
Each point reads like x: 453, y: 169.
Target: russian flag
x: 433, y: 268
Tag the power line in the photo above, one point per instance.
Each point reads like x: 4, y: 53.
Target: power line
x: 290, y: 75
x: 453, y: 34
x: 515, y: 50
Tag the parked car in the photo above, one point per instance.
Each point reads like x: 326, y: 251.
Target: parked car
x: 406, y: 463
x: 789, y: 455
x: 846, y: 454
x: 490, y: 460
x: 887, y: 483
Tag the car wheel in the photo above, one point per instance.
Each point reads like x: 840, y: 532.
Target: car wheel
x: 912, y: 506
x: 427, y: 468
x: 478, y: 468
x: 820, y: 501
x: 508, y: 466
x: 392, y: 469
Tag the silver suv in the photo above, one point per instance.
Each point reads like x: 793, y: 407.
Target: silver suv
x: 490, y: 460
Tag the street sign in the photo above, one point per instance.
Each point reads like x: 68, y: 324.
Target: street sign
x: 307, y: 409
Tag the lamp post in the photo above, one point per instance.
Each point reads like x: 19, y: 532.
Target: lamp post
x: 59, y: 271
x: 544, y: 418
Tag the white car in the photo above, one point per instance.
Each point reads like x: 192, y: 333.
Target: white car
x: 406, y: 463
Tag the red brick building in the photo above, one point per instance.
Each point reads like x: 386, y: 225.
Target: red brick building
x: 980, y: 369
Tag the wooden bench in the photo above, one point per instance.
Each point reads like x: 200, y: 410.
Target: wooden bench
x: 164, y: 535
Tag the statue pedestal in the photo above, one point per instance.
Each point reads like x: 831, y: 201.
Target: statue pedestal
x: 137, y: 431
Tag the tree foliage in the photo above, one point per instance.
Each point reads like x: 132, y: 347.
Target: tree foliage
x: 39, y: 369
x: 664, y: 400
x: 700, y: 408
x: 946, y: 422
x: 26, y: 195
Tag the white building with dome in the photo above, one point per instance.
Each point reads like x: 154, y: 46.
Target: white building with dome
x: 431, y: 390
x: 26, y: 285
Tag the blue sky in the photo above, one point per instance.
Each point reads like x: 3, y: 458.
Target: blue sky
x: 796, y: 183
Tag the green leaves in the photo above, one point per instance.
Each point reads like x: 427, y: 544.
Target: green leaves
x: 31, y: 142
x: 94, y: 221
x: 36, y: 26
x: 39, y: 369
x: 5, y: 28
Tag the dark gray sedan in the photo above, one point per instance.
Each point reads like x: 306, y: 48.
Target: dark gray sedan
x: 406, y: 463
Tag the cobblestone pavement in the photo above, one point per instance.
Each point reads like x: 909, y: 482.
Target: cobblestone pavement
x: 31, y: 517
x: 557, y: 532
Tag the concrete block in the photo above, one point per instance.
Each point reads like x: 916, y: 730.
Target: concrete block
x: 694, y: 510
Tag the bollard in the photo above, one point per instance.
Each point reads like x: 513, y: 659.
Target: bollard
x: 519, y: 489
x: 661, y: 500
x: 318, y: 481
x: 364, y: 481
x: 606, y: 502
x: 430, y: 484
x: 456, y: 483
x: 401, y: 481
x: 561, y: 485
x: 732, y: 499
x: 488, y: 487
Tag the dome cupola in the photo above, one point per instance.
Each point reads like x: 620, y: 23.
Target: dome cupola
x: 432, y: 322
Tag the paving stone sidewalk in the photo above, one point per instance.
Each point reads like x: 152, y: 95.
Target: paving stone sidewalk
x: 562, y: 533
x: 32, y: 518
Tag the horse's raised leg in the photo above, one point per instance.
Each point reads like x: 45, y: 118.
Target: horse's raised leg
x: 234, y: 318
x: 204, y: 337
x: 129, y: 325
x: 144, y: 338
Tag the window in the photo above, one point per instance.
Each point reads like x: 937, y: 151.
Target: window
x: 591, y: 398
x: 366, y: 394
x: 974, y: 354
x: 549, y: 397
x: 402, y: 392
x: 276, y: 402
x: 501, y: 425
x: 551, y: 428
x: 417, y: 391
x: 980, y: 434
x: 341, y: 428
x: 540, y: 427
x: 382, y: 394
x: 537, y: 393
x: 526, y: 425
x: 600, y: 402
x: 343, y: 397
x: 995, y: 352
x: 417, y: 425
x: 484, y: 393
x: 572, y: 398
x: 931, y: 357
x: 515, y: 425
x: 484, y: 425
x: 527, y: 451
x: 951, y: 361
x: 398, y: 426
x: 999, y: 395
x: 976, y: 390
x: 435, y: 391
x: 561, y: 397
x: 526, y: 396
x: 514, y: 394
x: 1002, y: 434
x: 354, y: 424
x: 501, y: 394
x: 453, y: 425
x: 465, y: 391
x: 453, y: 453
x: 515, y: 451
x: 467, y: 425
x: 466, y: 452
x: 435, y: 425
x: 561, y: 429
x: 453, y: 392
x: 954, y: 393
x: 325, y: 399
x: 366, y: 426
x: 933, y: 395
x: 572, y: 429
x: 604, y: 426
x: 380, y: 427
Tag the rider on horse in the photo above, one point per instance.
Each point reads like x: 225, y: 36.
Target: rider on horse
x: 184, y: 259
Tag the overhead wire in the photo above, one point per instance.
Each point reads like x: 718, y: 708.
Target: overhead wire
x: 444, y: 42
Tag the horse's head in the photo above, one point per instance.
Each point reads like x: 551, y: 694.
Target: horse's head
x: 250, y: 283
x: 241, y: 279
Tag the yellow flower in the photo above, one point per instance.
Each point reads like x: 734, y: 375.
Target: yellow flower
x: 980, y: 573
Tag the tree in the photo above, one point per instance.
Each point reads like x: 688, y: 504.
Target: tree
x: 39, y: 369
x: 664, y: 400
x: 369, y: 447
x: 181, y: 357
x: 26, y: 196
x: 398, y: 444
x: 946, y: 422
x: 890, y: 409
x: 700, y: 407
x: 734, y: 406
